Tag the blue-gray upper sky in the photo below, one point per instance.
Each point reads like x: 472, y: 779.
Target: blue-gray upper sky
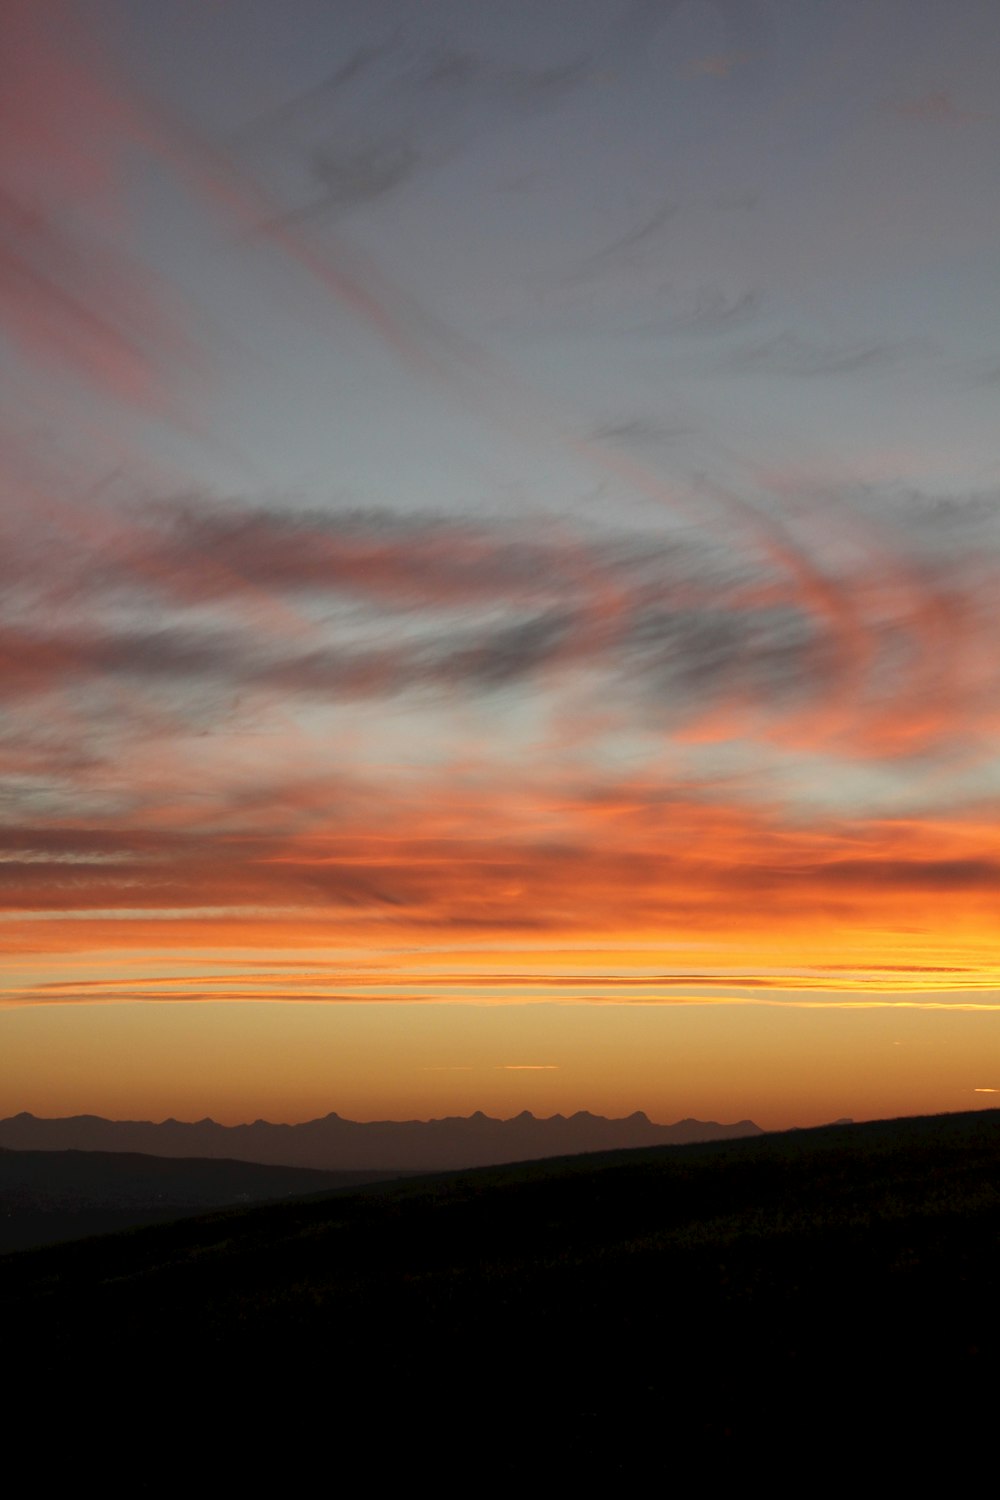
x: 756, y: 241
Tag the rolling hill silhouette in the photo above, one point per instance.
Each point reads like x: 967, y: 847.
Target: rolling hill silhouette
x: 47, y: 1196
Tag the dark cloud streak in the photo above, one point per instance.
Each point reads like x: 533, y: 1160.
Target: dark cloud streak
x: 672, y: 625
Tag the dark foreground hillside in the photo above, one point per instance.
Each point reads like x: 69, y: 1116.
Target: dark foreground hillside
x: 804, y: 1299
x: 49, y: 1196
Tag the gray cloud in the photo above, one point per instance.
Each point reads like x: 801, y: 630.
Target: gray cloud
x: 715, y: 311
x: 430, y: 101
x: 348, y: 177
x: 399, y: 560
x: 510, y: 653
x: 481, y: 79
x: 686, y: 656
x: 645, y: 229
x: 788, y: 354
x: 641, y: 432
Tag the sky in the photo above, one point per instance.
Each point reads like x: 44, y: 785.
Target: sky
x: 499, y: 558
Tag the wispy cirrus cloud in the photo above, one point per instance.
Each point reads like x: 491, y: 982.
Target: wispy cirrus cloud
x: 882, y: 653
x: 788, y: 354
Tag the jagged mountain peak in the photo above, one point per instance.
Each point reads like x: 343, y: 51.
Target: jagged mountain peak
x: 384, y: 1145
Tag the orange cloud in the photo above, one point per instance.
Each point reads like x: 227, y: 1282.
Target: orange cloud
x: 762, y: 905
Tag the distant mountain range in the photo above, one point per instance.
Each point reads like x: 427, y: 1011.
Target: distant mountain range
x: 333, y: 1144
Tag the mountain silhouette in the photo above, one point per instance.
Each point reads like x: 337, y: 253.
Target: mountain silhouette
x: 335, y: 1144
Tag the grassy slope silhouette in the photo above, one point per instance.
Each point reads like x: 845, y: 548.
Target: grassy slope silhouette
x: 50, y: 1196
x: 578, y: 1318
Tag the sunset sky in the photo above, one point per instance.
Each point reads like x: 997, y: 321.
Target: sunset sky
x: 500, y: 552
